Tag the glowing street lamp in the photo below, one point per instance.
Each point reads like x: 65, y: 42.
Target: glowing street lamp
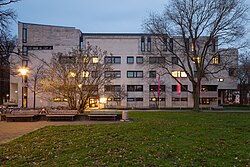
x: 24, y: 72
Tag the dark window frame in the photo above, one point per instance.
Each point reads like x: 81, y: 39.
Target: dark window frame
x: 130, y: 60
x: 152, y: 74
x: 112, y: 60
x: 139, y: 60
x: 143, y: 44
x: 149, y: 44
x: 135, y: 74
x: 134, y: 88
x: 112, y: 74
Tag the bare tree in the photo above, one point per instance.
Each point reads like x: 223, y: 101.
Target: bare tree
x: 36, y: 76
x: 6, y: 14
x: 244, y: 77
x: 191, y: 31
x: 7, y: 45
x: 117, y: 95
x: 77, y: 76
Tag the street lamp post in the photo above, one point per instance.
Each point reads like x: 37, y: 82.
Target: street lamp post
x: 24, y: 71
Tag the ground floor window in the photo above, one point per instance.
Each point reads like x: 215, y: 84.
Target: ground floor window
x: 207, y: 100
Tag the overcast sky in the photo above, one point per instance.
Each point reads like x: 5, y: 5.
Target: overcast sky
x: 89, y: 15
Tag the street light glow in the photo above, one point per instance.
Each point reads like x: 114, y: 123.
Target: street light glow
x: 23, y: 71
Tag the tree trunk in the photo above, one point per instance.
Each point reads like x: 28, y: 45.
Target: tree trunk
x: 34, y: 102
x: 196, y: 97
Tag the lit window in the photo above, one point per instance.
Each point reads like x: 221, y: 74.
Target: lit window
x: 72, y: 74
x: 95, y: 60
x: 85, y: 74
x: 216, y: 60
x: 197, y: 59
x: 85, y: 59
x: 192, y: 47
x: 220, y: 80
x: 181, y: 74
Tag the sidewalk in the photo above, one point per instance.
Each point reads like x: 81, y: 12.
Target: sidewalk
x: 12, y: 130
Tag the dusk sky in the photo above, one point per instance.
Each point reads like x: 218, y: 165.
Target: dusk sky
x: 89, y: 16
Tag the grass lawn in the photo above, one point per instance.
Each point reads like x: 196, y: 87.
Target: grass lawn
x: 152, y: 139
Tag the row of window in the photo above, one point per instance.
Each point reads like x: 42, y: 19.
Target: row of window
x: 154, y: 88
x: 152, y: 99
x: 130, y: 74
x: 168, y: 44
x: 26, y: 48
x: 117, y: 60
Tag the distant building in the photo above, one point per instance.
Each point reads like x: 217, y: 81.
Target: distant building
x: 133, y: 69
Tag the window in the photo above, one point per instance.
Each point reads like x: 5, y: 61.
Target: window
x: 165, y: 43
x: 24, y: 33
x: 25, y: 51
x: 181, y: 74
x: 85, y: 74
x: 134, y: 99
x: 187, y: 44
x: 157, y: 99
x: 206, y: 88
x: 207, y: 100
x: 90, y: 88
x: 156, y: 60
x: 232, y: 72
x: 113, y: 99
x: 152, y: 74
x: 139, y: 60
x: 220, y: 80
x: 193, y: 47
x: 112, y: 74
x: 94, y: 74
x: 135, y: 88
x: 95, y: 60
x: 130, y: 60
x: 216, y: 59
x: 113, y: 60
x: 40, y: 47
x: 25, y: 63
x: 171, y: 45
x: 174, y: 60
x: 81, y: 43
x: 154, y: 88
x: 134, y: 74
x: 66, y: 59
x: 197, y: 59
x: 72, y: 74
x: 149, y: 44
x: 184, y: 88
x: 112, y: 88
x: 213, y: 45
x: 142, y: 44
x: 179, y: 99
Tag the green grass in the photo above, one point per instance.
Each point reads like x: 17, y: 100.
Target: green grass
x: 232, y: 107
x: 152, y: 139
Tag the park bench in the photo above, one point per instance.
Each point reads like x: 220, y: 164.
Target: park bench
x: 102, y: 115
x: 217, y: 108
x: 61, y: 115
x: 22, y: 116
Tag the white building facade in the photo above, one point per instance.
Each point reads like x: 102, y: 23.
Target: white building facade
x: 144, y: 85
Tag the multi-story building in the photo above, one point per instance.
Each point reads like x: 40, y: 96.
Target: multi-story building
x: 135, y: 73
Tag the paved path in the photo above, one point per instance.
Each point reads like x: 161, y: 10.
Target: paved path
x: 12, y: 130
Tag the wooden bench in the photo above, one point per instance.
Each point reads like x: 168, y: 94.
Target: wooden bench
x: 22, y: 116
x: 217, y: 108
x: 61, y: 115
x: 102, y: 115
